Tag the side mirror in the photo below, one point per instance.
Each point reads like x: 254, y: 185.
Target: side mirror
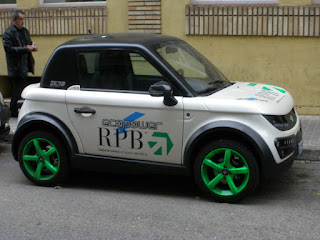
x: 163, y: 89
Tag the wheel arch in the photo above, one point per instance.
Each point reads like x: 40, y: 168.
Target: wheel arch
x: 46, y: 122
x: 235, y: 131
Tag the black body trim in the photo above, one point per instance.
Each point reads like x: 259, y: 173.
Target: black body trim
x: 112, y: 164
x: 225, y: 129
x: 38, y: 121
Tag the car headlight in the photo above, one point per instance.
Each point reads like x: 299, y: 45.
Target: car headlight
x: 1, y: 99
x: 283, y: 122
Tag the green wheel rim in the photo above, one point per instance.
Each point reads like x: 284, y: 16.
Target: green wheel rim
x: 41, y: 159
x: 225, y: 172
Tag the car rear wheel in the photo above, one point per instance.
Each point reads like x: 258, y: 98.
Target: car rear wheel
x: 43, y: 159
x: 226, y: 170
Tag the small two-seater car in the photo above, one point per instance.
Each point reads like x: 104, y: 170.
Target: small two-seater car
x: 153, y: 103
x: 4, y: 119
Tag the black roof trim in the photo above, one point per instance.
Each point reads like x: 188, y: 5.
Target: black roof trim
x: 144, y: 39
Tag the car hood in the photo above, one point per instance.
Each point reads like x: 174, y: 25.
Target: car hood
x: 255, y: 98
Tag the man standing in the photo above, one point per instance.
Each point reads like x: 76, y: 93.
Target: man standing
x: 18, y: 47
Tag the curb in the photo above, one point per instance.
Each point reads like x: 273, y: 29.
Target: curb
x: 307, y: 154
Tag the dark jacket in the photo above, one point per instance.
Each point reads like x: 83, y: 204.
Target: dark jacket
x: 19, y: 60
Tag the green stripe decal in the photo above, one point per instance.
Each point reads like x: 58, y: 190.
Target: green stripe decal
x: 280, y: 90
x: 268, y: 89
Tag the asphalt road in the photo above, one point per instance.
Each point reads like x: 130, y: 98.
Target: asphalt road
x: 105, y: 206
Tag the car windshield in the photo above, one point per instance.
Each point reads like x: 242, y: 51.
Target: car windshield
x: 201, y: 75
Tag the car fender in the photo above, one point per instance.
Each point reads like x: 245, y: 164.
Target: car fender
x: 231, y: 129
x: 39, y: 121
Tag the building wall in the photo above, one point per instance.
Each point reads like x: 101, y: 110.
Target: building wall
x: 289, y: 61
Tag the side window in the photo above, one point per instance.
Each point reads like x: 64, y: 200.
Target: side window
x: 116, y: 70
x: 86, y: 69
x: 144, y: 73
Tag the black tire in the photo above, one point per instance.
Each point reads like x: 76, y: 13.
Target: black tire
x: 43, y: 159
x: 226, y: 170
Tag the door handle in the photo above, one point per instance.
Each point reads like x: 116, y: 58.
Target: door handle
x: 85, y: 110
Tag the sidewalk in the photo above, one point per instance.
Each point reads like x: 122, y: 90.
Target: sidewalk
x: 311, y: 137
x: 310, y: 133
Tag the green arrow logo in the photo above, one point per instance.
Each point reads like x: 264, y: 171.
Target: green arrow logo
x: 268, y: 89
x: 159, y: 150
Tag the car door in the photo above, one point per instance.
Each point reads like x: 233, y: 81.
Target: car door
x: 115, y: 116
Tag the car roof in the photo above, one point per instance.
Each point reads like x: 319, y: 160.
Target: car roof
x: 144, y: 39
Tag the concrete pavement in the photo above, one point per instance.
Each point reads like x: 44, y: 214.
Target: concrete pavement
x: 311, y: 137
x: 310, y: 129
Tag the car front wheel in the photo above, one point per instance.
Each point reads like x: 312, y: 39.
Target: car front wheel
x: 226, y: 170
x: 43, y: 159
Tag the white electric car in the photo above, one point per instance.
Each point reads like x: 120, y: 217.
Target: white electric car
x: 152, y: 103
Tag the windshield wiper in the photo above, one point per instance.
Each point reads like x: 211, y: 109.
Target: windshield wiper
x: 206, y: 90
x: 216, y: 81
x: 214, y: 88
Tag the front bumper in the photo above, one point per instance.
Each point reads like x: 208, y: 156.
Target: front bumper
x: 291, y: 145
x: 289, y: 148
